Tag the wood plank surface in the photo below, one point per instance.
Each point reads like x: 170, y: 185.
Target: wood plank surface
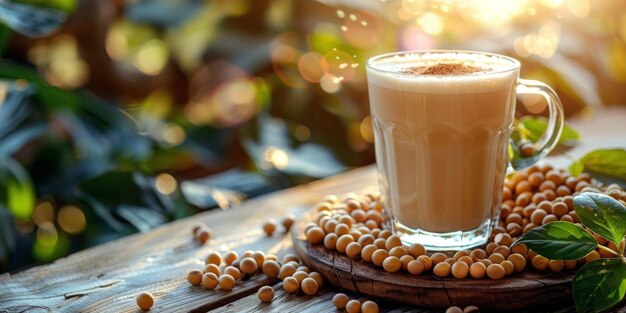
x: 106, y: 278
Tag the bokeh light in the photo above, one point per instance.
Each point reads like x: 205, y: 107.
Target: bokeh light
x: 198, y: 113
x: 310, y: 66
x: 60, y: 62
x: 579, y: 8
x: 337, y: 64
x: 223, y: 95
x: 234, y: 103
x: 547, y: 40
x: 302, y: 133
x: 275, y: 158
x: 283, y: 53
x: 43, y: 213
x: 71, y: 219
x: 492, y: 13
x: 47, y: 234
x: 367, y: 132
x: 355, y: 139
x: 544, y: 43
x: 49, y: 243
x: 552, y: 4
x: 136, y: 47
x: 173, y: 134
x: 116, y: 44
x: 151, y: 57
x: 165, y: 184
x: 431, y: 23
x: 404, y: 14
x: 361, y: 29
x: 414, y: 6
x: 284, y: 57
x: 533, y: 103
x: 330, y: 83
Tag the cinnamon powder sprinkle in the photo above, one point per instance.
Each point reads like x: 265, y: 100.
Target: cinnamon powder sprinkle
x: 444, y: 69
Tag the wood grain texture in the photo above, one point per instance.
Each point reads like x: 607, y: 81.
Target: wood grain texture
x: 320, y: 303
x: 106, y: 278
x: 521, y: 290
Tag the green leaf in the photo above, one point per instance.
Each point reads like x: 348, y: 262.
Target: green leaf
x: 63, y: 5
x: 15, y: 141
x: 602, y: 214
x: 123, y: 198
x: 5, y: 36
x: 559, y: 241
x: 15, y: 108
x: 534, y: 127
x: 599, y: 285
x: 307, y: 159
x: 576, y: 168
x: 30, y: 20
x: 16, y: 189
x: 611, y: 162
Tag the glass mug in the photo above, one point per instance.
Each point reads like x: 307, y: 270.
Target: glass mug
x: 442, y: 143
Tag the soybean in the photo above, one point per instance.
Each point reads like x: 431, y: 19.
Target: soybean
x: 145, y: 300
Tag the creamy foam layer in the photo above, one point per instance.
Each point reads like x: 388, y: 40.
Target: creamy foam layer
x: 391, y: 72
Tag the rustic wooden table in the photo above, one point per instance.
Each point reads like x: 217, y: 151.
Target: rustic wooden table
x: 106, y: 278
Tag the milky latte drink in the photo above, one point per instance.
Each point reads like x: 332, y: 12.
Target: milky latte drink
x: 442, y: 122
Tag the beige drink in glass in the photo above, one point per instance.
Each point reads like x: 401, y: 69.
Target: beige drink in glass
x: 442, y: 122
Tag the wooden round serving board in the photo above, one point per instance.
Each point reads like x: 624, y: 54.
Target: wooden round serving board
x: 521, y: 290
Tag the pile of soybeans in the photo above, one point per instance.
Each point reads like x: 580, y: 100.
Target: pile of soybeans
x: 356, y: 225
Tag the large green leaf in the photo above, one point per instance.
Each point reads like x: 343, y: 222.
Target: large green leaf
x: 611, y: 162
x: 29, y: 19
x: 602, y: 214
x: 534, y: 127
x: 599, y: 285
x: 559, y: 241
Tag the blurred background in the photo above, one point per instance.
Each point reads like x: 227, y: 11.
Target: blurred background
x: 118, y: 116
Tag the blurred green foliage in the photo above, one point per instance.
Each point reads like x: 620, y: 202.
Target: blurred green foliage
x: 609, y: 163
x: 531, y: 128
x: 63, y: 5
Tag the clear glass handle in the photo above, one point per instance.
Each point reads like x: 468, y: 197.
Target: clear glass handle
x: 528, y: 154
